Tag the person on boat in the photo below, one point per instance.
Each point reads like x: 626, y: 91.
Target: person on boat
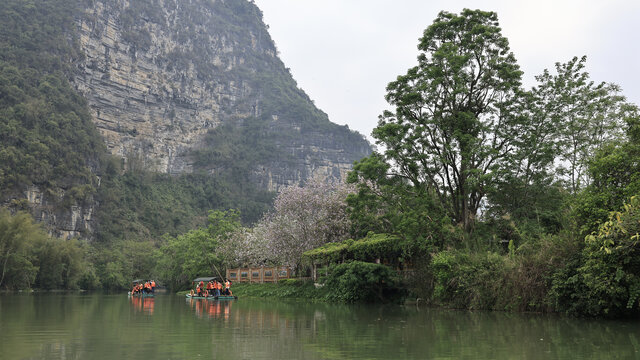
x: 218, y: 287
x: 147, y: 287
x: 199, y: 289
x: 153, y: 286
x: 227, y: 288
x: 210, y: 288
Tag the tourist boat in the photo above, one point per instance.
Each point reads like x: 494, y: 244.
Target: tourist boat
x: 211, y: 297
x: 142, y: 294
x: 221, y: 297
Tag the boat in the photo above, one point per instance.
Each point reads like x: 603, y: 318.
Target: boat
x: 211, y: 297
x: 140, y: 294
x: 189, y: 296
x: 220, y: 297
x: 144, y: 295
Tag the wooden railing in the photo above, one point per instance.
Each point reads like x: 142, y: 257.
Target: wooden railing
x: 259, y: 274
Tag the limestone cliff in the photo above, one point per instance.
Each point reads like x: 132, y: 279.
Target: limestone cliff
x: 159, y: 74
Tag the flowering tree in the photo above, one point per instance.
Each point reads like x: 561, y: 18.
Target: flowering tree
x: 245, y: 247
x: 304, y: 218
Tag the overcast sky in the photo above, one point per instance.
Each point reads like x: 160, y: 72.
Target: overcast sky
x: 343, y: 53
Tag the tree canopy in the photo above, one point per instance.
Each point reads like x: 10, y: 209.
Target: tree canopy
x: 455, y: 120
x: 465, y: 131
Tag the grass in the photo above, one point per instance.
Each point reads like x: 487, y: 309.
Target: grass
x: 291, y: 288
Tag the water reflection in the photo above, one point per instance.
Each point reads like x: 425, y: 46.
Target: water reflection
x: 213, y: 309
x: 143, y: 304
x: 113, y: 326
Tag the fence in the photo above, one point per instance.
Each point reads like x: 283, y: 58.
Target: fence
x: 259, y: 275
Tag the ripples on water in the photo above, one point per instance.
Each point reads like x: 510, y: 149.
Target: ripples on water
x: 94, y: 326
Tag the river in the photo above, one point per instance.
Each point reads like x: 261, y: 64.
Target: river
x: 95, y: 326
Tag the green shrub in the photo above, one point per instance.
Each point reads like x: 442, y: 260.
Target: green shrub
x: 359, y: 281
x: 607, y: 283
x: 469, y: 280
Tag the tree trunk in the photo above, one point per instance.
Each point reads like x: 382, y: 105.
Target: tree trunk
x: 4, y: 267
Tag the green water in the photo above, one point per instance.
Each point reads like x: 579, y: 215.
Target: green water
x: 91, y: 326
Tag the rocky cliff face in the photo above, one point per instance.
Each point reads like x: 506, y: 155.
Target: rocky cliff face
x: 76, y: 221
x: 159, y: 74
x: 192, y: 90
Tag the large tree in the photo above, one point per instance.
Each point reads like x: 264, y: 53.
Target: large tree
x: 455, y: 112
x: 586, y: 116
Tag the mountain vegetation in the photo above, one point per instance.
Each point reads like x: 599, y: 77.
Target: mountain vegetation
x: 46, y: 134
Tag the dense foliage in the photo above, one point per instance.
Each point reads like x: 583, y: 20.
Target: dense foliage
x: 198, y: 252
x: 491, y: 188
x: 370, y: 248
x: 30, y: 258
x: 605, y: 281
x: 358, y: 281
x: 47, y: 138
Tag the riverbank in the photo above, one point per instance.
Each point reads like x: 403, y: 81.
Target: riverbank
x: 290, y: 289
x: 284, y: 289
x: 306, y: 290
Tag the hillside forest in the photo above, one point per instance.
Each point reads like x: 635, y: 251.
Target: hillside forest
x: 483, y: 194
